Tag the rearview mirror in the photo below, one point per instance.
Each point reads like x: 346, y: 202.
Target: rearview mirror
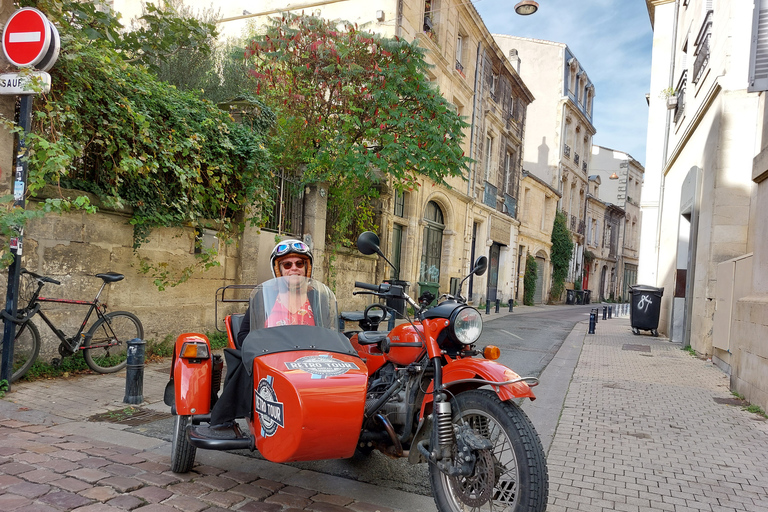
x: 481, y: 265
x: 368, y: 243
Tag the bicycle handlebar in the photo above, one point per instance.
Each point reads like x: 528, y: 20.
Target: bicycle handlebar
x: 39, y: 277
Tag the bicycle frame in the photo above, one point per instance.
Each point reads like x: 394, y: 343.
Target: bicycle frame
x: 78, y: 338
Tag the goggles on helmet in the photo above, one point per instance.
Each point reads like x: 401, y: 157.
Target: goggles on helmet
x: 285, y: 247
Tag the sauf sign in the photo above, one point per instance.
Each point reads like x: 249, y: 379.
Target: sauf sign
x: 30, y: 40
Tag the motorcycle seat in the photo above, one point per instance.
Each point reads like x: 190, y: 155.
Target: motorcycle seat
x: 356, y: 316
x: 371, y: 337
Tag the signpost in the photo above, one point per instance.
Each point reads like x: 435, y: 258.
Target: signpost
x: 29, y: 41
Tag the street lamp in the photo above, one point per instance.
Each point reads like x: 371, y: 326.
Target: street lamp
x: 526, y: 7
x: 613, y: 176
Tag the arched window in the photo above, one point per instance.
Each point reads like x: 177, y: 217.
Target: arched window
x: 432, y: 249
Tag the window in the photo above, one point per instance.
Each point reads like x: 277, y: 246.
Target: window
x: 399, y: 204
x: 460, y: 54
x: 758, y: 55
x: 488, y: 156
x: 432, y: 248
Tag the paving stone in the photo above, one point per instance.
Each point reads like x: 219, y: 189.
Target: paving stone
x: 223, y: 499
x: 121, y: 483
x: 216, y: 482
x: 122, y: 470
x: 160, y: 480
x: 319, y: 506
x: 59, y: 465
x: 28, y: 489
x: 188, y: 489
x: 252, y: 491
x: 94, y: 462
x: 361, y: 506
x: 240, y: 477
x: 16, y: 468
x: 98, y: 507
x: 89, y: 475
x: 69, y: 455
x: 99, y: 493
x: 32, y: 458
x: 298, y: 491
x: 6, y: 480
x: 9, y: 502
x: 65, y: 500
x: 187, y: 503
x: 152, y: 494
x: 333, y: 499
x: 157, y: 507
x: 124, y: 458
x: 39, y: 507
x: 126, y: 502
x: 71, y: 484
x: 208, y: 470
x: 154, y: 467
x: 257, y: 506
x: 269, y: 484
x: 41, y: 475
x: 288, y: 500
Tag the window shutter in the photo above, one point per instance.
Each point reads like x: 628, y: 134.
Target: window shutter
x: 758, y: 55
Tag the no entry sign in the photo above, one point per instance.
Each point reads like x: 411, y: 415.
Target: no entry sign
x: 29, y: 39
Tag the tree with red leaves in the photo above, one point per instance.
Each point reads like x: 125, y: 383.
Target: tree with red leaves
x: 353, y: 109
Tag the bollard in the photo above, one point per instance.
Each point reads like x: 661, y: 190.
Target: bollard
x: 134, y: 376
x: 498, y: 303
x: 610, y: 312
x: 596, y: 311
x: 592, y: 322
x: 605, y: 312
x: 511, y: 305
x: 487, y: 307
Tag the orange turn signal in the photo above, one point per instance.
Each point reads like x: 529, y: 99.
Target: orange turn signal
x: 192, y: 350
x: 491, y: 352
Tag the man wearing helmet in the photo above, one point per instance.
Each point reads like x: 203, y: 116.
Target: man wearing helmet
x: 290, y: 259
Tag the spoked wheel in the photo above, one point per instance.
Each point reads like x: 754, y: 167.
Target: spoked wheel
x: 26, y: 346
x: 106, y: 345
x: 182, y: 453
x: 511, y: 476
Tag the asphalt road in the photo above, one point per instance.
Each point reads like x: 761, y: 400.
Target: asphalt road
x: 528, y: 341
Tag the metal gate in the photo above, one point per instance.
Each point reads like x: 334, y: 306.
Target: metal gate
x: 538, y: 295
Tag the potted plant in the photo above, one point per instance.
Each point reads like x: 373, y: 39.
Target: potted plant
x: 671, y: 96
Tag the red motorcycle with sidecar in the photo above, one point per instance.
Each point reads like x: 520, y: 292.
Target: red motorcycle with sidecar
x: 421, y: 390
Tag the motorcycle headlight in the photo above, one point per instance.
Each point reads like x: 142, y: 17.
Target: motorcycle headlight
x: 466, y: 326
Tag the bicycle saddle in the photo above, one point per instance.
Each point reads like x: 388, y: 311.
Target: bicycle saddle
x: 111, y: 277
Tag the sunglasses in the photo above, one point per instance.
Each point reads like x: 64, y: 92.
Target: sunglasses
x: 283, y: 248
x: 287, y: 265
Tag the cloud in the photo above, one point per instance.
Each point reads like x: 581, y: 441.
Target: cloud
x: 612, y: 39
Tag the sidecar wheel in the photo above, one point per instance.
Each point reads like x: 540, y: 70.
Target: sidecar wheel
x: 512, y: 477
x: 182, y: 453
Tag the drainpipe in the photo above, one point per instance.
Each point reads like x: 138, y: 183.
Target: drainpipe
x: 665, y: 149
x: 475, y: 96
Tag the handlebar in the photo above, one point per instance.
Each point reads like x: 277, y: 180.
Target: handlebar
x: 378, y: 288
x: 39, y: 277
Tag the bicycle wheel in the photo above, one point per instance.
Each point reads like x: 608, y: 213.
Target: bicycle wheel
x: 26, y: 346
x: 106, y: 345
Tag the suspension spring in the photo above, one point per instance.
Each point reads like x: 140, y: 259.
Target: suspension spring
x: 444, y: 425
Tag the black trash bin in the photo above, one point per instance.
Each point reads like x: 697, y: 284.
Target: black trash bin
x: 580, y: 297
x: 645, y: 307
x: 398, y: 304
x: 587, y: 296
x: 570, y: 296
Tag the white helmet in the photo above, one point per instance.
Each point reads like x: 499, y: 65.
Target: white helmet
x: 290, y: 247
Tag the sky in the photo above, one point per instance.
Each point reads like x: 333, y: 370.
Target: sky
x: 612, y: 40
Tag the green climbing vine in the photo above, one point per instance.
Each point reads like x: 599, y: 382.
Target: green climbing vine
x: 562, y: 249
x: 529, y: 280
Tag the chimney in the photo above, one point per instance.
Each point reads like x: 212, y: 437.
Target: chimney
x: 514, y: 59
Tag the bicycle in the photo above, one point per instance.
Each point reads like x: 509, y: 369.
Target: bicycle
x: 104, y: 345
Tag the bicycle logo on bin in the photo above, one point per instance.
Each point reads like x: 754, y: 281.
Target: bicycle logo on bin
x: 644, y: 303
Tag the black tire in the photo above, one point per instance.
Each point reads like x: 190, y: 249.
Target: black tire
x: 26, y: 347
x: 106, y: 345
x: 519, y: 467
x: 182, y: 453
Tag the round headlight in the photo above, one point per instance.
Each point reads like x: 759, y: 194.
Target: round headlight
x: 467, y: 325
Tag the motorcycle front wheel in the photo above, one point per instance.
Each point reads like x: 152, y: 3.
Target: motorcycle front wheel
x: 182, y: 453
x: 511, y: 476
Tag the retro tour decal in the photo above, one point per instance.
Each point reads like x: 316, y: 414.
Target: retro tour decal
x: 269, y: 409
x: 321, y: 366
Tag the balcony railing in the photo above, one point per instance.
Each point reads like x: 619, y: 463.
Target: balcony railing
x: 574, y: 220
x: 582, y: 227
x: 681, y: 86
x: 459, y: 67
x: 702, y: 48
x: 489, y: 197
x: 567, y: 151
x: 584, y: 166
x: 510, y: 205
x: 576, y: 158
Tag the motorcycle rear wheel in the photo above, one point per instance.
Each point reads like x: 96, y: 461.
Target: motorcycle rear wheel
x: 518, y: 474
x: 182, y: 453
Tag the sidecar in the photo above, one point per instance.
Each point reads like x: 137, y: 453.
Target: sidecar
x: 303, y: 386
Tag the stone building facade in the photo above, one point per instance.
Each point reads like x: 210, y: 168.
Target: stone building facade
x: 559, y: 130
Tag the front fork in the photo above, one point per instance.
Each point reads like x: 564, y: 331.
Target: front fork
x: 458, y: 461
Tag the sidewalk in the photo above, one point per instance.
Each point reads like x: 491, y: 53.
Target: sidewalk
x: 630, y: 423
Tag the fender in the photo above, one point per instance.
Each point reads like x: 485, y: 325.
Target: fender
x: 192, y: 378
x: 471, y: 368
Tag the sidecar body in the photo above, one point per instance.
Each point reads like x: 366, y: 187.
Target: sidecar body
x: 304, y: 385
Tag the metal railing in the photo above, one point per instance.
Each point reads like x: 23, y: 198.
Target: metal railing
x: 567, y: 150
x: 702, y: 48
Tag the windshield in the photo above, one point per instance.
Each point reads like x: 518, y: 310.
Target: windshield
x: 293, y: 300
